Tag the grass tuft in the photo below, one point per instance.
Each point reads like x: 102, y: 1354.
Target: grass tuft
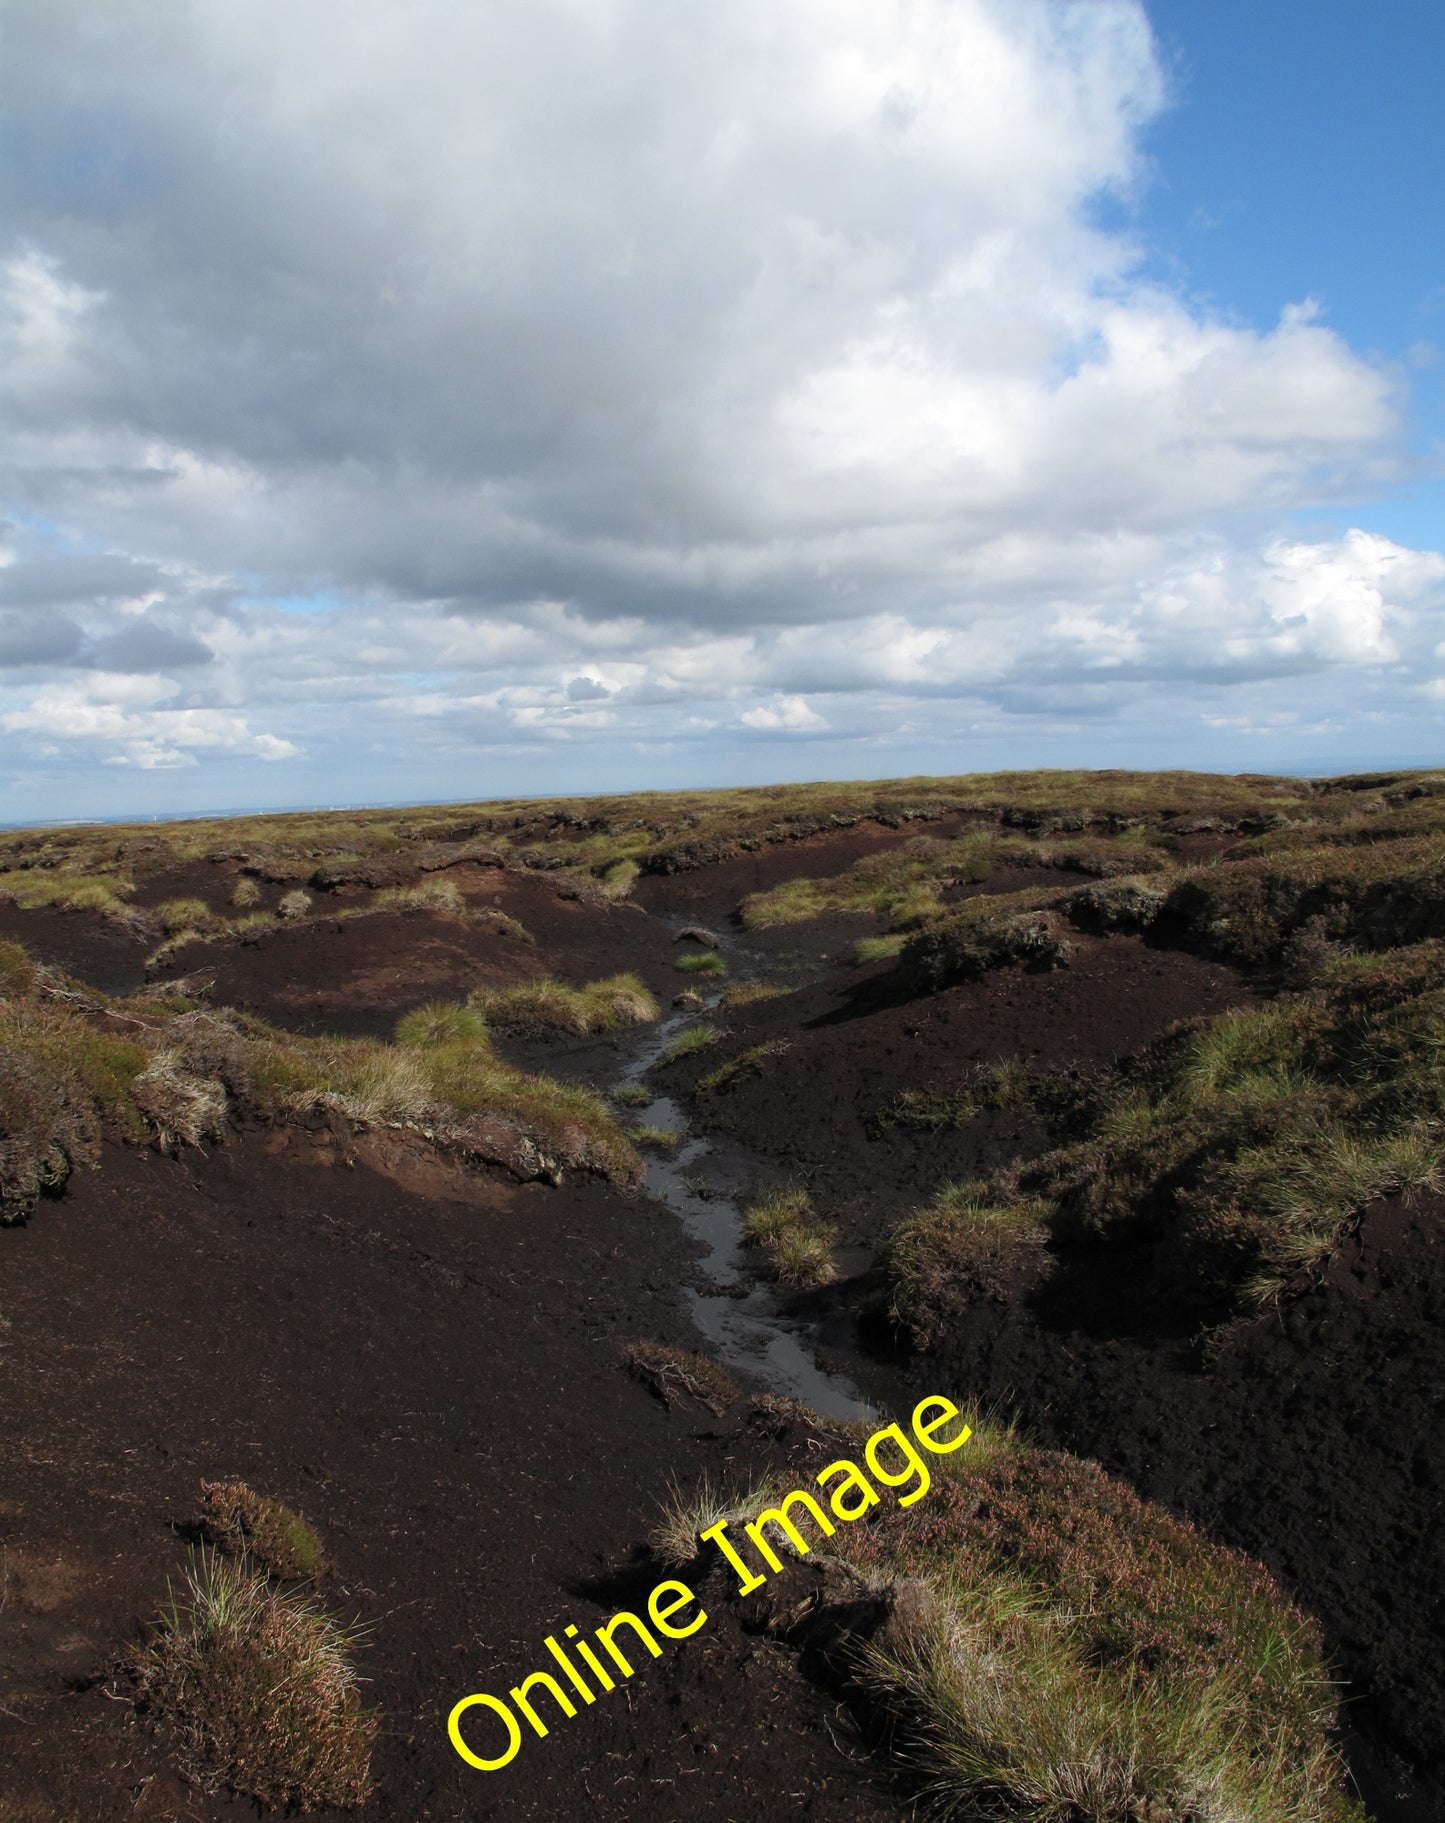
x: 553, y: 1006
x: 751, y: 1062
x: 238, y: 1521
x: 796, y: 1245
x: 441, y: 1022
x: 701, y: 962
x: 259, y: 1690
x: 687, y: 1044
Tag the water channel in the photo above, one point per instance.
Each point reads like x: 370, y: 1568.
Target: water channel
x: 739, y: 1313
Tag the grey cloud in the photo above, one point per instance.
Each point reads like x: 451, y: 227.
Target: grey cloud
x: 46, y: 580
x: 145, y: 646
x: 26, y: 639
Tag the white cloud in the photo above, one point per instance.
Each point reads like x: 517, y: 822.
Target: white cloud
x: 728, y: 361
x: 793, y: 713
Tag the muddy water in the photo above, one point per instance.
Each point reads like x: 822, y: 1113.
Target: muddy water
x: 739, y: 1314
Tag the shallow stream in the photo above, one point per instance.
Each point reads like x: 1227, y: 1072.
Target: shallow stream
x: 738, y: 1312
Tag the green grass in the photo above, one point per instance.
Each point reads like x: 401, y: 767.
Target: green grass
x: 1034, y: 1641
x: 258, y: 1690
x: 1245, y: 1145
x: 441, y: 1022
x: 868, y: 950
x: 749, y: 993
x: 1071, y: 1651
x: 751, y: 1062
x: 632, y: 1095
x: 701, y: 962
x: 553, y: 1006
x: 75, y: 1065
x: 657, y: 1139
x: 687, y: 1044
x: 796, y: 1245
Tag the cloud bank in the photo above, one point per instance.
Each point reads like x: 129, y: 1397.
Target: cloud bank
x: 451, y: 398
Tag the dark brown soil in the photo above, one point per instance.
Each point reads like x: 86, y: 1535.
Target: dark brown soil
x: 853, y: 1047
x: 430, y: 1371
x: 425, y: 1362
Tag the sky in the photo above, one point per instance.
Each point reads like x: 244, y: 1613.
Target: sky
x: 451, y: 399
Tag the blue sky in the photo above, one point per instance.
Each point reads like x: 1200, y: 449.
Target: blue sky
x: 1304, y: 155
x: 452, y: 399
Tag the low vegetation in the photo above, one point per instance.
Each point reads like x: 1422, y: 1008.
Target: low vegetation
x: 671, y: 1372
x: 1071, y: 1651
x: 1242, y: 1145
x: 239, y: 1522
x: 75, y: 1064
x: 257, y: 1689
x: 701, y: 962
x: 985, y: 934
x: 963, y: 1247
x: 552, y: 1006
x: 751, y: 1062
x: 1035, y: 1641
x: 797, y: 1246
x: 687, y: 1044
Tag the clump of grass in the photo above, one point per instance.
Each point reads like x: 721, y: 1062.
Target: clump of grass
x: 618, y: 879
x: 254, y: 921
x: 965, y: 1246
x: 767, y: 1216
x: 34, y: 888
x: 670, y: 1371
x: 184, y: 1108
x: 632, y: 1095
x: 687, y: 1044
x: 986, y: 934
x: 657, y: 1139
x: 17, y: 972
x: 259, y: 1690
x: 748, y: 993
x: 878, y: 949
x: 247, y: 892
x: 797, y: 1246
x: 701, y: 962
x: 177, y: 915
x: 441, y: 1022
x: 751, y: 1062
x: 294, y: 904
x: 687, y: 1514
x: 429, y: 895
x: 802, y: 1257
x: 242, y: 1523
x: 1068, y: 1650
x: 511, y: 928
x: 553, y: 1006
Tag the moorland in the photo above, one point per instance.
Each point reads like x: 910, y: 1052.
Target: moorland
x: 419, y: 1228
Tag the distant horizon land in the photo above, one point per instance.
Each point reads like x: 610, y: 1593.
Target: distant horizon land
x: 237, y: 814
